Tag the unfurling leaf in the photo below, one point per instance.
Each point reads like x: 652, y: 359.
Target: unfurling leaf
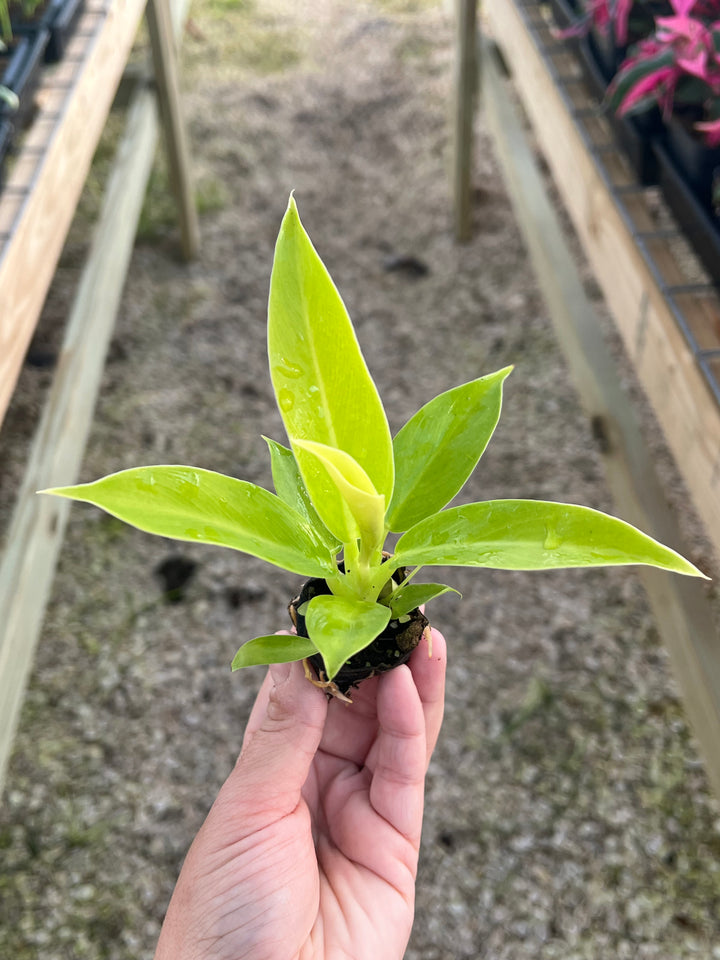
x: 323, y: 388
x: 276, y: 648
x: 356, y: 509
x: 532, y: 535
x: 340, y: 628
x: 438, y: 448
x: 290, y: 487
x: 187, y: 503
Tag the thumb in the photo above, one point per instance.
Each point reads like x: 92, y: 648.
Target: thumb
x: 277, y: 752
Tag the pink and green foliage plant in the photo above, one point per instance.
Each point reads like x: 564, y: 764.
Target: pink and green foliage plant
x: 677, y: 68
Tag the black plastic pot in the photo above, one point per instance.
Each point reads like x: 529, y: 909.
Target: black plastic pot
x: 565, y: 12
x: 698, y: 163
x: 59, y: 18
x: 699, y: 223
x: 606, y: 52
x: 6, y: 137
x: 22, y: 75
x: 635, y: 134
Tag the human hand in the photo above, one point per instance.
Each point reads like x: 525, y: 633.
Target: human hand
x: 311, y: 848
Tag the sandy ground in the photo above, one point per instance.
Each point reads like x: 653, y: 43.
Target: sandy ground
x: 568, y: 815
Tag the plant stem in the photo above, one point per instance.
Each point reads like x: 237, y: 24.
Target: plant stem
x: 5, y: 26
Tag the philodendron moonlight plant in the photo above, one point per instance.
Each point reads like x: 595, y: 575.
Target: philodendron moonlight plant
x: 344, y: 484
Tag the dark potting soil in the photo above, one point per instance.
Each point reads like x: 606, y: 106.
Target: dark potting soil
x: 390, y: 649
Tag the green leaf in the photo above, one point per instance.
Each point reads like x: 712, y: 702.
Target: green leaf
x: 408, y: 598
x: 532, y: 535
x: 322, y: 385
x: 438, y: 448
x: 289, y: 487
x: 355, y: 508
x: 187, y: 503
x: 340, y: 628
x: 276, y: 648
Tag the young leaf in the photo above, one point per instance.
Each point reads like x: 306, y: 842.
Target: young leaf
x: 353, y: 492
x: 414, y: 595
x: 187, y: 503
x: 438, y: 448
x: 339, y: 628
x: 277, y: 648
x: 289, y: 487
x: 323, y: 387
x: 532, y: 535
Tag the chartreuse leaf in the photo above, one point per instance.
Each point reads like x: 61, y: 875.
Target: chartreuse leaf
x: 187, y: 503
x: 438, y: 448
x: 532, y: 535
x: 289, y: 487
x: 407, y: 598
x: 353, y: 493
x: 339, y: 627
x: 322, y: 385
x: 277, y: 648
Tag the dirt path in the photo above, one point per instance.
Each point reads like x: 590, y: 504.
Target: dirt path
x: 567, y: 814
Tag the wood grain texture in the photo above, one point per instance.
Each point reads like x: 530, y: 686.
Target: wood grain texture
x: 29, y: 258
x: 164, y: 56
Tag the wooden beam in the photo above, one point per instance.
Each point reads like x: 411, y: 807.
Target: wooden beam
x: 466, y: 76
x: 50, y: 191
x: 681, y: 398
x: 682, y: 611
x: 164, y: 53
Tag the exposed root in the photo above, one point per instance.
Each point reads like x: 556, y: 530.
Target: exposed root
x: 427, y: 633
x: 329, y: 686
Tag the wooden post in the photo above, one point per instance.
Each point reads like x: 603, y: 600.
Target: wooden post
x: 466, y: 74
x: 680, y: 605
x: 164, y: 54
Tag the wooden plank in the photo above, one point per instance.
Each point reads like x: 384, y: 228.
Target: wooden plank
x: 28, y: 260
x: 37, y: 527
x: 38, y: 524
x: 164, y: 55
x: 682, y: 611
x: 465, y: 92
x: 666, y: 367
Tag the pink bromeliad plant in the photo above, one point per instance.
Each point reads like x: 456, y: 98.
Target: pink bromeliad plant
x: 677, y: 68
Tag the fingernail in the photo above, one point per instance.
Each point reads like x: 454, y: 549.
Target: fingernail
x: 280, y: 672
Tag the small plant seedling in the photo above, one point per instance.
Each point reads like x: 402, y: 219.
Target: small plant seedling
x: 344, y: 484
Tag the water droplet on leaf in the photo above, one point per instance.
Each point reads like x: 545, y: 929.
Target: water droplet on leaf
x: 286, y: 399
x: 552, y: 540
x: 288, y: 369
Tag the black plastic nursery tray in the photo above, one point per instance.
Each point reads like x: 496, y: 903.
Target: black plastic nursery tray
x: 58, y: 18
x: 635, y: 135
x: 22, y: 75
x: 699, y: 225
x: 6, y: 135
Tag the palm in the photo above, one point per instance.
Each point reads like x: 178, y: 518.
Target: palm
x: 366, y: 864
x: 319, y: 861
